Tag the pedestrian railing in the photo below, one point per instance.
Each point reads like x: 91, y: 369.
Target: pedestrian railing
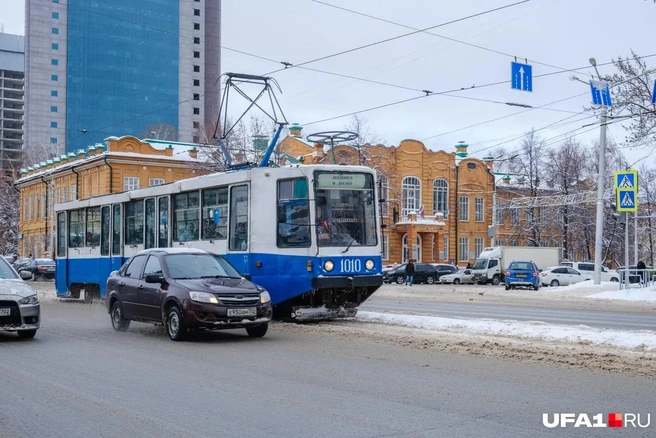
x: 638, y: 278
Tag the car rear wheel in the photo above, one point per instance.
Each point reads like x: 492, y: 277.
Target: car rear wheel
x: 456, y: 281
x: 119, y: 323
x: 554, y: 283
x: 258, y: 331
x: 400, y: 279
x: 26, y: 334
x: 615, y: 279
x: 496, y: 280
x: 175, y: 325
x: 430, y: 279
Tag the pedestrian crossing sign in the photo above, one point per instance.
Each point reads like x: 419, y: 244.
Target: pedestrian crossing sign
x: 626, y: 180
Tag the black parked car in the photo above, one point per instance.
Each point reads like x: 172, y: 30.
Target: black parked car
x: 39, y: 268
x: 186, y: 289
x: 424, y: 273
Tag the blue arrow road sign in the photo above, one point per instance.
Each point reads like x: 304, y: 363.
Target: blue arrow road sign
x: 653, y: 94
x: 600, y: 93
x: 522, y: 76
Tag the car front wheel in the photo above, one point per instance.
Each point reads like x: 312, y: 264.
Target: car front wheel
x: 26, y: 334
x: 430, y: 279
x: 175, y: 325
x: 119, y: 323
x: 258, y: 331
x: 456, y: 281
x: 400, y: 279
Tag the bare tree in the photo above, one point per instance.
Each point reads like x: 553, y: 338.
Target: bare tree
x: 360, y: 126
x: 635, y: 96
x: 160, y: 131
x: 530, y: 165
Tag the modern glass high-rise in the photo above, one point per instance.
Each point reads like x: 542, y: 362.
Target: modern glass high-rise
x: 95, y: 69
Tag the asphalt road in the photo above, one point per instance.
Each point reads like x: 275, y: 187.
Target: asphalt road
x: 79, y: 378
x: 592, y: 318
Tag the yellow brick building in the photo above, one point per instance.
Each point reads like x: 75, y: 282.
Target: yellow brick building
x: 120, y: 164
x: 453, y: 192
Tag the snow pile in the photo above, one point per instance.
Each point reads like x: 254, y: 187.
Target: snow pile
x: 627, y: 294
x: 530, y: 330
x: 587, y: 285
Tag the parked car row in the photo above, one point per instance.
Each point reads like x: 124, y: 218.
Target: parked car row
x: 428, y: 273
x: 32, y: 269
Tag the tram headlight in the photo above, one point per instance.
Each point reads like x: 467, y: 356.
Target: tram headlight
x: 369, y: 264
x: 328, y: 265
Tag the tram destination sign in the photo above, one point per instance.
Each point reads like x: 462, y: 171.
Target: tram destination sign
x: 341, y: 180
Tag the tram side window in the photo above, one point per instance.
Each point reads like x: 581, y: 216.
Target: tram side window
x: 93, y: 226
x: 105, y: 228
x: 134, y: 223
x: 76, y: 229
x: 185, y: 225
x: 239, y: 218
x: 293, y: 213
x: 116, y: 230
x: 215, y: 213
x: 61, y: 235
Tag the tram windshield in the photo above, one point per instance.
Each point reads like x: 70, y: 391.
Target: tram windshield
x: 345, y: 213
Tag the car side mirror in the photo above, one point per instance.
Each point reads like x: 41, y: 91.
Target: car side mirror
x: 154, y: 278
x: 25, y: 275
x: 246, y: 277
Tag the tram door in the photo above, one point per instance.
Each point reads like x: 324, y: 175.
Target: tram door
x: 61, y: 260
x: 117, y: 237
x: 163, y: 222
x: 105, y: 262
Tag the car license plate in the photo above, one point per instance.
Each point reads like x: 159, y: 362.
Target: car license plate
x: 250, y: 311
x: 5, y: 312
x: 521, y: 275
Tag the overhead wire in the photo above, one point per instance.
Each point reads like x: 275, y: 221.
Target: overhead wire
x: 386, y: 40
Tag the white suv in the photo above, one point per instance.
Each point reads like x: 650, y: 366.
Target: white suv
x: 587, y: 269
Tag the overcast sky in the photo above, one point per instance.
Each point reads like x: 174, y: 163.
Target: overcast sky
x: 562, y: 33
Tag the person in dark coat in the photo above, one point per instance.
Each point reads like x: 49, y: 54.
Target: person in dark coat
x: 641, y: 273
x: 409, y: 272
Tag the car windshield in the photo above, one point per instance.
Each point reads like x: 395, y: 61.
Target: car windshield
x: 480, y: 264
x: 6, y: 273
x: 460, y: 271
x: 521, y: 266
x: 195, y: 266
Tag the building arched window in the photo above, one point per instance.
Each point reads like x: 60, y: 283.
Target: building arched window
x: 411, y: 195
x: 383, y: 193
x: 440, y: 196
x: 414, y: 252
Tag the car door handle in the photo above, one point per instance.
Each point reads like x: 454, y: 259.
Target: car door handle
x: 122, y: 283
x: 140, y: 286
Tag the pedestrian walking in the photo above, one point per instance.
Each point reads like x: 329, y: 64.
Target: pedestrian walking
x: 409, y: 272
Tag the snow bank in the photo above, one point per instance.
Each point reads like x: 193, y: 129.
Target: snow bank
x: 530, y: 330
x: 587, y: 285
x: 628, y: 295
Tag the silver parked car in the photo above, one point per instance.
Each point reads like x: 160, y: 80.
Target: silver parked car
x: 461, y: 276
x: 20, y: 310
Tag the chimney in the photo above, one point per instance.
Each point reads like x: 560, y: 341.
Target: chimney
x: 193, y: 152
x: 489, y: 161
x: 295, y: 130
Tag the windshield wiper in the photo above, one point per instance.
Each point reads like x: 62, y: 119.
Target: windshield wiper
x: 349, y: 245
x: 218, y: 276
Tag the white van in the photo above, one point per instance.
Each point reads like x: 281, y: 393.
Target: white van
x: 587, y: 269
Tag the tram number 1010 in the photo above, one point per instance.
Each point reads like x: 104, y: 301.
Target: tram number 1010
x: 350, y: 265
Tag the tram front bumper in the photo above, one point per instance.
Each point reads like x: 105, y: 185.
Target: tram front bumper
x: 345, y: 282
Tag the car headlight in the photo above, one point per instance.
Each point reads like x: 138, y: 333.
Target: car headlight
x: 33, y: 299
x: 265, y: 297
x: 328, y: 266
x: 203, y: 297
x: 369, y: 264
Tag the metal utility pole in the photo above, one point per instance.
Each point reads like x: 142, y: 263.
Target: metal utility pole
x: 599, y: 230
x: 635, y: 239
x: 626, y: 252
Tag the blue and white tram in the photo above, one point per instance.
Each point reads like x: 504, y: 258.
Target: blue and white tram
x: 306, y: 233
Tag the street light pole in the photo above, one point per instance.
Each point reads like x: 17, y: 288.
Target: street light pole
x: 599, y: 230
